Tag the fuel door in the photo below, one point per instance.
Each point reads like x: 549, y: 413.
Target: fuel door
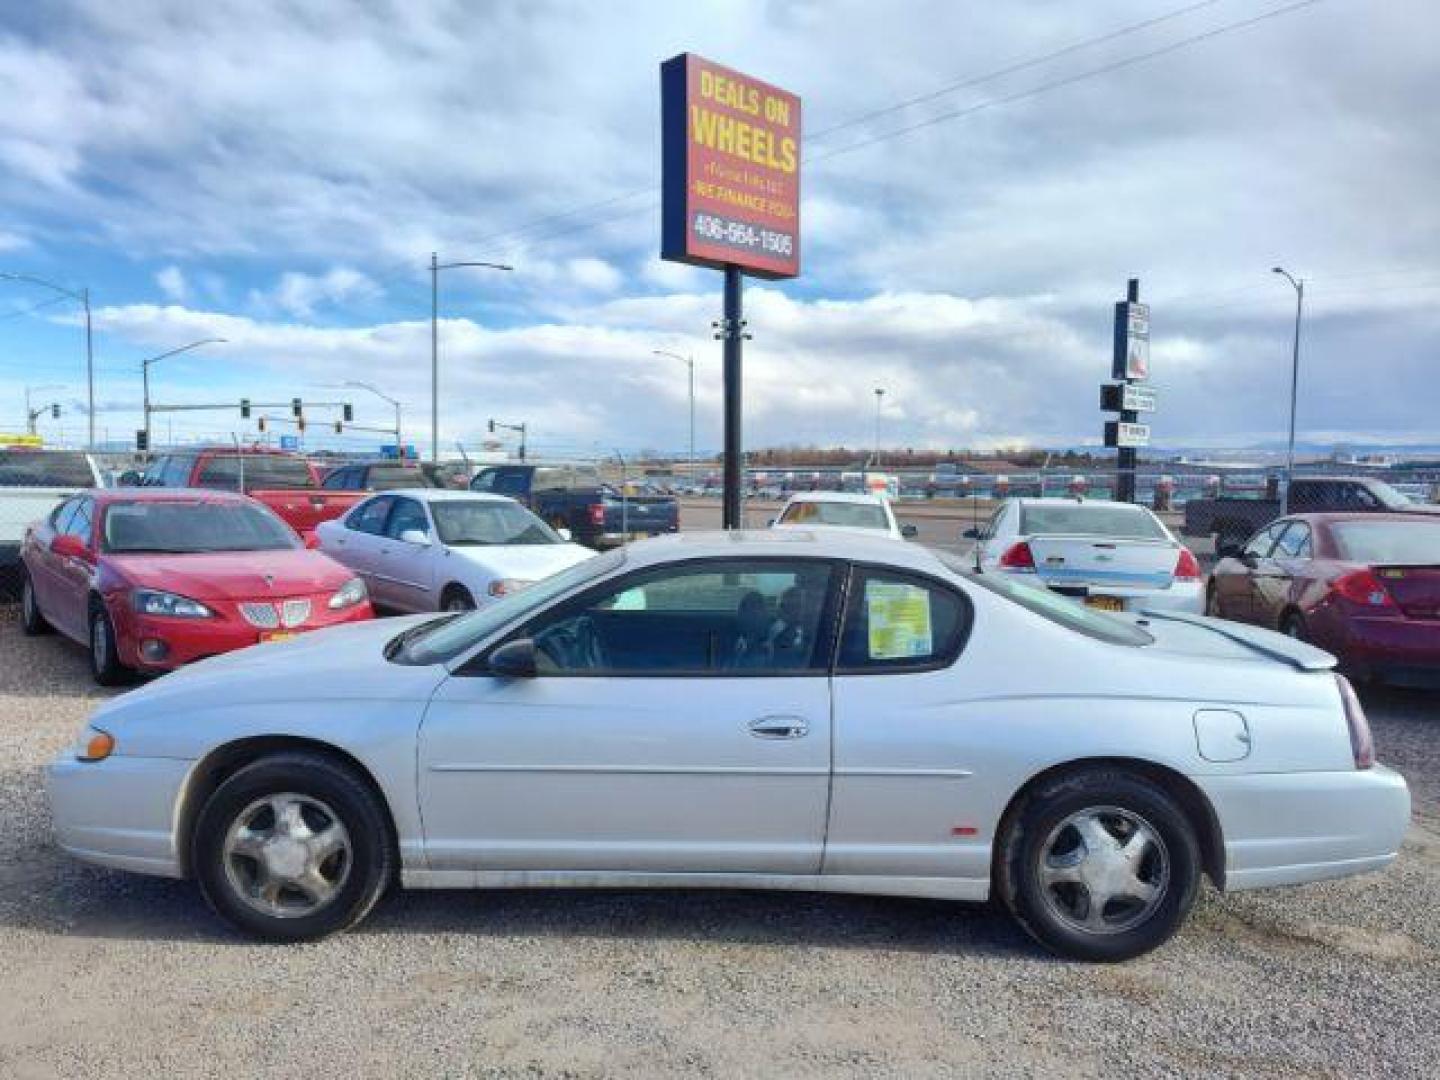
x: 1221, y: 735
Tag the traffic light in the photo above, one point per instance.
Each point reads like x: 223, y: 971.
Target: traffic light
x: 142, y: 440
x: 55, y: 410
x: 260, y: 423
x: 300, y: 424
x: 245, y: 408
x: 296, y: 408
x: 339, y: 427
x: 492, y: 427
x: 347, y: 412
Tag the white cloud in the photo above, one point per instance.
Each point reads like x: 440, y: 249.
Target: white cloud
x: 300, y: 294
x: 172, y: 283
x: 10, y: 241
x: 595, y: 274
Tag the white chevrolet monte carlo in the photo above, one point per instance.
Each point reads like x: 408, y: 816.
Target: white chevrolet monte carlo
x: 777, y: 709
x: 431, y: 549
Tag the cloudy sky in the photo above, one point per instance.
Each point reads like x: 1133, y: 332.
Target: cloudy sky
x: 277, y: 174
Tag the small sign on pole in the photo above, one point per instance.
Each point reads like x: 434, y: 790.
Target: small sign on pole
x: 1126, y: 436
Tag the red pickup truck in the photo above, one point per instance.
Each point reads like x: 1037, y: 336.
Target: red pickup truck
x: 286, y: 483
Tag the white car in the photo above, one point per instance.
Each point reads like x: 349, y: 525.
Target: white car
x: 841, y: 510
x: 774, y: 709
x: 432, y: 549
x: 1110, y: 555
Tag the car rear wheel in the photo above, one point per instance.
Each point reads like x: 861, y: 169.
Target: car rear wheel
x: 457, y: 598
x: 105, y: 662
x: 31, y: 621
x: 293, y: 847
x: 1101, y: 865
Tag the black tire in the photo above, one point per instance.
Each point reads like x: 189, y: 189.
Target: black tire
x: 456, y: 598
x: 1048, y: 914
x: 369, y: 864
x: 105, y: 663
x: 1212, y: 601
x: 1292, y: 624
x: 31, y: 621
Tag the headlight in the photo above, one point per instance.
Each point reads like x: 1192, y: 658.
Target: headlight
x: 349, y: 594
x: 154, y: 602
x: 94, y: 745
x: 506, y: 586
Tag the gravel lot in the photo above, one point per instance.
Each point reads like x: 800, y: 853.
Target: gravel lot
x: 106, y: 974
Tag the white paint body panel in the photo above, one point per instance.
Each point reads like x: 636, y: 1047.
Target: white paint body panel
x: 590, y: 781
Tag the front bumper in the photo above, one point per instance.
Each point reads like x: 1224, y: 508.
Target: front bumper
x: 1292, y: 828
x: 120, y: 812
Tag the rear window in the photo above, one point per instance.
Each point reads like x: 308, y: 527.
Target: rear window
x: 44, y: 468
x: 1050, y: 605
x: 261, y: 471
x: 1082, y: 519
x: 853, y: 515
x: 1403, y: 542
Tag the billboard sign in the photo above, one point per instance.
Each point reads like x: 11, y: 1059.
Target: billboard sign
x: 731, y: 168
x: 1132, y: 341
x: 1126, y: 436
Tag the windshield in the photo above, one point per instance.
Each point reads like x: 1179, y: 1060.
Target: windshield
x: 1398, y: 542
x: 442, y: 639
x: 1090, y: 519
x: 1050, y: 605
x: 261, y: 471
x: 463, y: 523
x: 851, y: 515
x: 43, y: 468
x: 193, y: 527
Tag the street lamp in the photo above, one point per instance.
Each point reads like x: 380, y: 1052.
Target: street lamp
x: 31, y: 415
x: 688, y: 361
x: 399, y: 443
x: 145, y: 376
x: 435, y: 267
x: 83, y: 296
x: 1299, y: 284
x: 879, y: 397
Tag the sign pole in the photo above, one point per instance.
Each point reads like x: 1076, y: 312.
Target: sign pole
x: 1125, y: 482
x: 732, y: 330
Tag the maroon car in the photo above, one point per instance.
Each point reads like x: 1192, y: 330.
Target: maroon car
x: 1365, y: 587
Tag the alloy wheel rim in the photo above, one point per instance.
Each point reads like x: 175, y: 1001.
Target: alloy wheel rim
x: 287, y: 855
x: 1104, y: 870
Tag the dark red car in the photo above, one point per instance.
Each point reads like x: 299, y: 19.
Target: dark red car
x: 1365, y: 587
x: 151, y: 578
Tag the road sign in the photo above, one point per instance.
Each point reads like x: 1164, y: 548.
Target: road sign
x: 1126, y: 436
x: 289, y: 442
x: 1132, y: 341
x: 1127, y: 397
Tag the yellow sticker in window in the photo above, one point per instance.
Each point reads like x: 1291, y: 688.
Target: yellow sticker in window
x: 899, y: 618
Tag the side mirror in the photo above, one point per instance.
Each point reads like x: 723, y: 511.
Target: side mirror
x: 971, y: 533
x: 415, y: 536
x: 1249, y: 558
x: 69, y: 547
x: 564, y: 534
x: 909, y: 532
x: 514, y: 660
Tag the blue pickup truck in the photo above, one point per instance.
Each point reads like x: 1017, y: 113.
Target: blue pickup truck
x: 575, y: 497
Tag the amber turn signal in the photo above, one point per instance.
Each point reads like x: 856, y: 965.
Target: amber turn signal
x: 99, y: 746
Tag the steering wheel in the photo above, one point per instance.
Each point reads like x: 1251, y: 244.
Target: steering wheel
x: 573, y: 646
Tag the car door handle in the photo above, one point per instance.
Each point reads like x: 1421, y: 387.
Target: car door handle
x: 779, y: 727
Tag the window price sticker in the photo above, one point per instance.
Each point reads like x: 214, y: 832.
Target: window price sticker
x: 899, y: 618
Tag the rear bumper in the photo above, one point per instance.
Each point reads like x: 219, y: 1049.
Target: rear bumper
x: 119, y: 812
x: 1401, y: 649
x: 1292, y: 828
x: 1186, y: 596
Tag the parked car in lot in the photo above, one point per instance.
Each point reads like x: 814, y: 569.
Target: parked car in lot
x: 32, y: 483
x: 756, y: 710
x: 1365, y: 587
x: 1110, y: 555
x: 378, y: 476
x: 841, y: 510
x: 151, y: 580
x: 436, y: 550
x: 285, y: 482
x: 1232, y: 520
x: 575, y: 497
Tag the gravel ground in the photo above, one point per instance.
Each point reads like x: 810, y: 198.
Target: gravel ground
x: 108, y: 974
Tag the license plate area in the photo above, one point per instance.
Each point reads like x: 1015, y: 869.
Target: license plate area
x: 268, y: 636
x: 1105, y: 603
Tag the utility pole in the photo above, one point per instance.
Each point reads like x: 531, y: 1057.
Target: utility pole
x: 1299, y: 284
x: 688, y: 361
x: 879, y: 397
x: 399, y: 443
x: 83, y: 296
x: 435, y: 267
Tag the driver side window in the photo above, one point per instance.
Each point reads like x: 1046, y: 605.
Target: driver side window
x: 1261, y: 543
x: 408, y: 514
x: 741, y: 617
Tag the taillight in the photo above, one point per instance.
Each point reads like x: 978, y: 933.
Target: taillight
x: 1363, y: 588
x: 1362, y: 743
x: 597, y: 513
x: 1018, y: 557
x: 1187, y: 567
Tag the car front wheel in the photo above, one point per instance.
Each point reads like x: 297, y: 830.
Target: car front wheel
x: 293, y: 847
x: 105, y: 663
x: 1101, y: 865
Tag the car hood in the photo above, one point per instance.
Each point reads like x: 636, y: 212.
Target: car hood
x: 527, y: 562
x: 233, y: 575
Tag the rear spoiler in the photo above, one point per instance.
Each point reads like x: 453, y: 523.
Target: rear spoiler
x: 1267, y: 643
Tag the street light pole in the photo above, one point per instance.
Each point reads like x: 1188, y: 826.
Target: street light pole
x: 83, y: 296
x: 1299, y: 284
x: 435, y: 267
x: 145, y: 377
x: 879, y: 396
x: 399, y: 443
x: 688, y: 361
x: 31, y: 415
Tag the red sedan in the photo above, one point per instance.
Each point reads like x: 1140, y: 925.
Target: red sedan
x: 153, y: 578
x: 1365, y: 587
